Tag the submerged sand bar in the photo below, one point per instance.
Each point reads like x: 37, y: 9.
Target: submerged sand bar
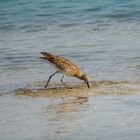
x: 97, y: 88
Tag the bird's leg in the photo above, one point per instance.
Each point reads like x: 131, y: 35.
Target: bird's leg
x: 64, y: 82
x: 88, y: 84
x: 50, y: 79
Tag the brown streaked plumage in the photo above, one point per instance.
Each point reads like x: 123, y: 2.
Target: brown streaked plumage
x: 64, y: 66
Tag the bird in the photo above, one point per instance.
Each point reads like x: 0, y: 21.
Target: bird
x: 65, y: 67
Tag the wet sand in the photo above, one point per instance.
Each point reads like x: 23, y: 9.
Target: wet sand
x: 96, y: 88
x: 108, y: 110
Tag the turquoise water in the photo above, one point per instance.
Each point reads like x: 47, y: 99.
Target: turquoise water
x: 102, y: 37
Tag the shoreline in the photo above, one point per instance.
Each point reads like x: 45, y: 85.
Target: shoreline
x: 97, y: 88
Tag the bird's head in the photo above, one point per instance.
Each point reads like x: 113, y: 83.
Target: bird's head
x: 85, y: 78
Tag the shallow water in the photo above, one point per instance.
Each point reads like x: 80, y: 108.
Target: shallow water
x: 106, y: 111
x: 91, y: 117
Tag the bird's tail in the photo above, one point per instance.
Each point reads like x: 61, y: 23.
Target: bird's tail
x: 46, y: 55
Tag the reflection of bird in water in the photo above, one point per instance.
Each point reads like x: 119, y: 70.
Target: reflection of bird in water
x: 64, y: 66
x: 68, y: 105
x: 82, y: 100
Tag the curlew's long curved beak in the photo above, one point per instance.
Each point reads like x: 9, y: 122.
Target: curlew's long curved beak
x: 88, y: 84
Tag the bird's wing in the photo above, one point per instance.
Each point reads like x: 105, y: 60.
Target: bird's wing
x: 67, y: 66
x: 62, y: 64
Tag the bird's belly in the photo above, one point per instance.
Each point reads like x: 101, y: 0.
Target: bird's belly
x: 65, y: 72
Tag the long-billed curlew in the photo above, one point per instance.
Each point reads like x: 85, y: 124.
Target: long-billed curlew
x: 64, y: 66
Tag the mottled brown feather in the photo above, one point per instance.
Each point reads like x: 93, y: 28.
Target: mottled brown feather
x: 63, y: 64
